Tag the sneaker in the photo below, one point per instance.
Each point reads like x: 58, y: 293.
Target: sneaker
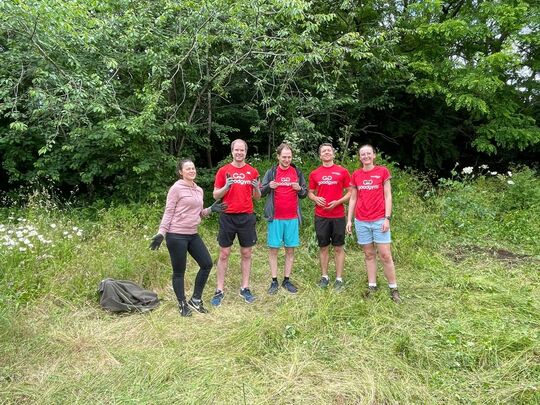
x: 323, y: 282
x: 197, y: 306
x: 370, y: 292
x: 217, y: 298
x: 338, y: 285
x: 273, y: 289
x: 290, y: 287
x: 184, y: 309
x: 247, y: 296
x: 394, y: 295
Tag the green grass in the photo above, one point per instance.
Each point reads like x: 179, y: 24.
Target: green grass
x: 467, y: 332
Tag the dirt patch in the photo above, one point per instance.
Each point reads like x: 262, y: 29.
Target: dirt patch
x: 460, y: 253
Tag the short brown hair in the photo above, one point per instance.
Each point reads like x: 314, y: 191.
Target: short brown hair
x: 325, y: 144
x: 280, y: 148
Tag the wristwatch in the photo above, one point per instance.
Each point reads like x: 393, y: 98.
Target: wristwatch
x: 389, y: 217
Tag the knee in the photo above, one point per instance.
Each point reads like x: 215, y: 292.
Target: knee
x: 369, y: 256
x: 224, y: 254
x: 246, y: 253
x: 386, y: 257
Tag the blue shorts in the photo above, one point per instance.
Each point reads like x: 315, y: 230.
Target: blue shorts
x: 369, y: 232
x: 283, y: 232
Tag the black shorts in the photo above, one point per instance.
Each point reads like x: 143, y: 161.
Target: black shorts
x: 242, y: 225
x: 330, y: 229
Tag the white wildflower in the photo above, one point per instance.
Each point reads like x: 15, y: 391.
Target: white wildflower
x: 65, y: 233
x: 493, y: 173
x: 53, y: 226
x: 509, y: 173
x: 22, y: 249
x: 467, y: 170
x: 484, y: 167
x: 510, y: 182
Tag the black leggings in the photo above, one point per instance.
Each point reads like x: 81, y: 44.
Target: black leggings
x: 179, y: 245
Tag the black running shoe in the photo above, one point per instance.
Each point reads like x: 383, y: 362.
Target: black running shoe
x: 197, y: 306
x: 370, y: 292
x: 274, y: 287
x: 184, y: 309
x: 290, y: 287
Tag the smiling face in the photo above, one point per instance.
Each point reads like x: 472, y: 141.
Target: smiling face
x: 188, y: 171
x: 326, y: 153
x: 367, y: 155
x: 239, y: 151
x: 285, y: 158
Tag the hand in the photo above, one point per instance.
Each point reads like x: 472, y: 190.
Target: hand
x: 320, y: 201
x: 218, y: 206
x: 156, y: 241
x: 385, y: 225
x: 273, y: 184
x: 255, y: 183
x: 331, y: 205
x: 229, y: 181
x: 296, y: 186
x: 348, y: 227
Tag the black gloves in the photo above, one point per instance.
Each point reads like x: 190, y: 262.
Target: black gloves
x: 156, y: 241
x: 218, y: 206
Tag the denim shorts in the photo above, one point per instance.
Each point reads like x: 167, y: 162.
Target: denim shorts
x: 369, y: 232
x: 283, y: 232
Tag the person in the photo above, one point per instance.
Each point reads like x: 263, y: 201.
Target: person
x: 327, y: 185
x: 283, y: 185
x: 182, y: 216
x: 371, y: 205
x: 237, y: 183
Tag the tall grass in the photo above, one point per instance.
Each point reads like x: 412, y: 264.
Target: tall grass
x: 467, y: 255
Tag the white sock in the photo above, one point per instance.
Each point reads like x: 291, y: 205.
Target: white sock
x: 392, y: 285
x: 326, y: 277
x: 338, y: 279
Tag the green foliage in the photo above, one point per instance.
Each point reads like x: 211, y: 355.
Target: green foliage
x: 107, y: 95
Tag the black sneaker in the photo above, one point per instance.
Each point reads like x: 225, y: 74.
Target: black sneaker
x: 290, y: 287
x: 394, y: 295
x: 274, y: 287
x: 245, y: 293
x: 197, y: 306
x: 184, y: 309
x: 370, y: 292
x: 323, y: 282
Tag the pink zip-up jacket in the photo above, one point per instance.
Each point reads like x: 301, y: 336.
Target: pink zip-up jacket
x: 184, y: 209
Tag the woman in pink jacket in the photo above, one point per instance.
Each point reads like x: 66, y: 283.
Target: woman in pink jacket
x: 179, y: 225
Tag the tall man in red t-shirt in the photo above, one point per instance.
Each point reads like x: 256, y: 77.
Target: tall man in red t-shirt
x: 326, y: 186
x: 236, y: 184
x: 284, y: 185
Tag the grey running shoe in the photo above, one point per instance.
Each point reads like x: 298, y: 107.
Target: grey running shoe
x: 370, y: 292
x: 184, y: 309
x: 290, y: 287
x: 394, y: 295
x: 197, y: 305
x: 323, y: 282
x: 338, y: 285
x: 217, y: 298
x: 247, y: 296
x: 274, y: 287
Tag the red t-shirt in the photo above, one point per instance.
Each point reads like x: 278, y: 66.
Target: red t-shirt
x: 285, y: 197
x: 329, y: 182
x: 238, y: 197
x: 370, y: 197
